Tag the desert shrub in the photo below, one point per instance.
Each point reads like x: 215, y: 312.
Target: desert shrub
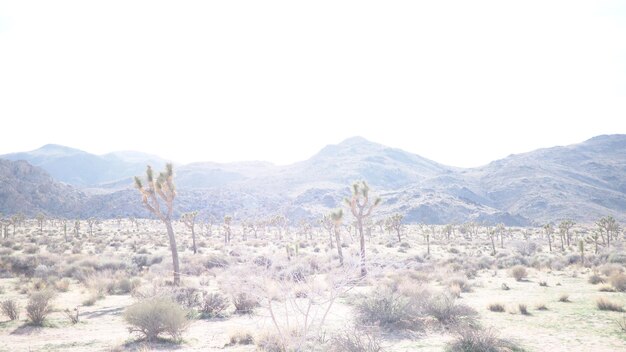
x: 355, y: 340
x: 525, y: 248
x: 31, y: 249
x: 157, y: 316
x: 572, y: 258
x: 270, y: 343
x: 564, y: 298
x: 38, y: 307
x: 473, y: 340
x: 448, y: 312
x: 262, y: 261
x: 523, y: 309
x: 617, y: 257
x: 610, y: 269
x: 519, y: 272
x: 72, y: 315
x: 10, y: 308
x: 621, y: 323
x: 511, y: 260
x: 461, y: 282
x: 595, y: 279
x: 543, y: 284
x: 541, y: 306
x: 606, y: 288
x: 241, y: 338
x: 215, y: 261
x: 187, y: 297
x: 62, y: 285
x: 618, y: 280
x: 244, y: 303
x: 123, y: 286
x: 388, y: 310
x: 496, y: 307
x: 605, y: 304
x: 213, y: 305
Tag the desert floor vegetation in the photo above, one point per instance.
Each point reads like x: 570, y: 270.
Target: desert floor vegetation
x: 286, y: 290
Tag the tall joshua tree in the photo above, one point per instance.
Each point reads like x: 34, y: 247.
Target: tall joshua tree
x: 394, y: 223
x: 189, y: 219
x: 361, y: 208
x: 155, y: 192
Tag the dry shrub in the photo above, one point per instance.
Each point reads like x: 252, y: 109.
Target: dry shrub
x: 355, y: 340
x: 541, y: 306
x: 519, y: 272
x: 461, y: 282
x: 241, y: 338
x: 496, y: 307
x: 153, y: 317
x: 389, y: 310
x: 523, y: 309
x: 62, y: 285
x: 472, y: 340
x: 610, y: 269
x: 448, y: 312
x: 604, y: 304
x: 213, y: 305
x: 10, y: 308
x: 38, y: 307
x: 270, y: 343
x: 244, y: 303
x: 618, y: 280
x: 595, y: 279
x: 606, y: 288
x: 564, y: 298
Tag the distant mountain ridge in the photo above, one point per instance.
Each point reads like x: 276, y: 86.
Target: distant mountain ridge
x: 581, y: 181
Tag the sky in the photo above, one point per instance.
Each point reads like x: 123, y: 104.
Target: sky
x: 459, y: 82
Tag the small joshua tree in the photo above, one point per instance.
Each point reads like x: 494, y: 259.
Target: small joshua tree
x: 337, y: 218
x: 394, y: 223
x: 327, y: 223
x: 227, y: 230
x: 90, y: 223
x: 564, y: 228
x: 549, y: 230
x: 40, y: 220
x: 189, y: 219
x: 361, y: 208
x: 154, y: 192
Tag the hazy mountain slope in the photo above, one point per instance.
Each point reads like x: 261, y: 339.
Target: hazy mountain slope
x: 27, y: 189
x: 83, y: 169
x: 584, y: 181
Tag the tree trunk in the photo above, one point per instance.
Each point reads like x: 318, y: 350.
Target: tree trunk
x: 338, y: 242
x: 193, y: 240
x: 493, y: 246
x: 330, y: 234
x: 399, y: 239
x: 174, y: 249
x: 362, y: 240
x: 550, y: 242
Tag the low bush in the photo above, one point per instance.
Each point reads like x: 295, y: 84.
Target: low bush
x: 523, y: 309
x: 10, y: 308
x: 595, y: 279
x: 472, y: 340
x: 618, y: 280
x: 244, y: 303
x: 605, y: 304
x: 213, y: 305
x: 38, y: 307
x: 355, y: 340
x: 519, y: 272
x: 564, y: 298
x: 448, y: 312
x: 496, y: 307
x: 157, y: 316
x: 388, y: 310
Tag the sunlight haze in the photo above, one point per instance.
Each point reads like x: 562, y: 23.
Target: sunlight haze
x: 461, y: 83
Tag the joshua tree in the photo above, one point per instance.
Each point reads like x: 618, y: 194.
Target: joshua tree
x: 581, y: 248
x: 448, y: 230
x: 337, y: 218
x: 564, y: 228
x: 607, y: 225
x: 154, y: 192
x: 280, y: 222
x: 500, y: 229
x: 189, y: 219
x: 76, y: 227
x: 492, y: 234
x: 90, y: 223
x: 549, y: 230
x: 361, y: 209
x: 40, y: 220
x: 394, y: 223
x: 327, y: 224
x: 227, y: 231
x: 64, y: 223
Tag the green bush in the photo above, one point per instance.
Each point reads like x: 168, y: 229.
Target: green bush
x: 157, y: 316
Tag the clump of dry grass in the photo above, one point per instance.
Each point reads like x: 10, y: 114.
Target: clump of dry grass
x: 605, y: 304
x: 10, y: 308
x: 519, y: 272
x: 564, y: 298
x: 618, y: 280
x: 496, y: 307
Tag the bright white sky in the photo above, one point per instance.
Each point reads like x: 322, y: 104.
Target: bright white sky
x: 459, y: 82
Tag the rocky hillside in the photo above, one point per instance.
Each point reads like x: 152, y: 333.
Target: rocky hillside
x: 583, y: 182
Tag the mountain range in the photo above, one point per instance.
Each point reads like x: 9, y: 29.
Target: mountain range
x: 582, y: 182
